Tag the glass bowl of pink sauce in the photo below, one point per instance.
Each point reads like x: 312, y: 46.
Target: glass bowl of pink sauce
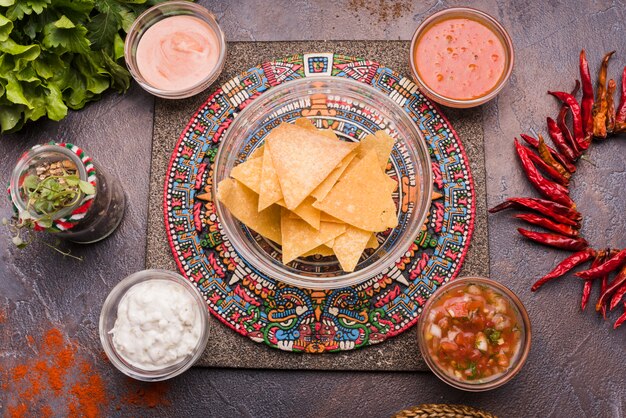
x: 461, y: 57
x: 175, y: 49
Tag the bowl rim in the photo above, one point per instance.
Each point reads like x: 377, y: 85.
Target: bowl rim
x: 349, y: 279
x: 109, y: 308
x: 173, y: 8
x: 524, y: 348
x: 480, y: 16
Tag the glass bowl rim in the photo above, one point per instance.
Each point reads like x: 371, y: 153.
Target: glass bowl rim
x: 524, y: 347
x: 344, y: 280
x: 481, y: 17
x: 199, y: 12
x: 110, y: 309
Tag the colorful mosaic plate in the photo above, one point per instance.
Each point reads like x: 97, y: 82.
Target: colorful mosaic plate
x: 306, y: 320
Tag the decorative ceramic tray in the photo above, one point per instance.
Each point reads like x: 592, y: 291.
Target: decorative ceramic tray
x: 296, y: 319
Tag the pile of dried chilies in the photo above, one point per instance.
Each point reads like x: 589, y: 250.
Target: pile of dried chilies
x: 550, y: 169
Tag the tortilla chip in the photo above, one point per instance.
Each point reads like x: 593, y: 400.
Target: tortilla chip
x: 249, y: 173
x: 349, y: 246
x: 307, y: 213
x: 302, y: 160
x: 373, y: 242
x: 298, y: 237
x: 324, y: 217
x: 269, y: 188
x: 324, y: 187
x: 328, y: 133
x: 257, y: 153
x: 322, y: 250
x: 361, y: 197
x: 382, y: 143
x: 243, y: 203
x: 305, y: 123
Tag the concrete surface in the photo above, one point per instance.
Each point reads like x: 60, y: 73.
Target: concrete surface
x: 576, y: 366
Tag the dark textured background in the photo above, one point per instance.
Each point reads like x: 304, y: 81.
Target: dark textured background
x: 576, y: 366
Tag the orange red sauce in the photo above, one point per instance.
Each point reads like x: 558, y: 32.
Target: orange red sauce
x: 460, y: 58
x: 473, y: 333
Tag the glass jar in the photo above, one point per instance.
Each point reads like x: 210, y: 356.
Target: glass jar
x: 83, y: 222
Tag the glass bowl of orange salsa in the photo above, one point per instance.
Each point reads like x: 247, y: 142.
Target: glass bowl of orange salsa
x: 474, y: 334
x: 461, y: 57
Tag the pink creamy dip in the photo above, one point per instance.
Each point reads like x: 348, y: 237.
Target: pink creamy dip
x: 177, y: 53
x: 460, y: 58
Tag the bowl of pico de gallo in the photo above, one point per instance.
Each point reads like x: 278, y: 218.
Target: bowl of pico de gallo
x: 474, y: 334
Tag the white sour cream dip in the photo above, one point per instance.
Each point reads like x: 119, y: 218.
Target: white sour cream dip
x: 158, y: 324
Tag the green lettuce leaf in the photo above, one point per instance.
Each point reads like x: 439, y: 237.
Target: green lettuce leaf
x: 6, y: 26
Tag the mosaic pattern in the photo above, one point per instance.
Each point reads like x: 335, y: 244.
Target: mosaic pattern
x: 307, y: 320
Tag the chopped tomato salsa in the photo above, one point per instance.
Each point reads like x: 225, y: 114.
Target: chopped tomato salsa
x: 473, y: 333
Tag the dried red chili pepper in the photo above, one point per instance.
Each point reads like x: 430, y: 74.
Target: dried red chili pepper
x: 600, y: 105
x: 612, y: 264
x: 610, y: 107
x: 548, y: 224
x: 604, y: 282
x: 586, y: 103
x: 546, y: 156
x: 561, y: 122
x: 549, y: 189
x: 621, y: 319
x: 559, y: 140
x: 555, y: 240
x: 569, y: 166
x: 551, y: 209
x: 577, y: 123
x: 620, y: 117
x: 588, y: 283
x: 549, y: 170
x: 566, y: 265
x: 617, y: 296
x: 619, y: 280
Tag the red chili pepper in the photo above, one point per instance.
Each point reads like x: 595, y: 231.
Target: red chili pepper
x: 620, y: 117
x: 586, y: 103
x: 555, y: 240
x: 559, y: 140
x: 619, y: 280
x: 557, y: 155
x: 577, y: 123
x: 549, y: 189
x: 566, y: 265
x: 588, y: 283
x: 617, y: 296
x: 610, y: 107
x: 604, y: 282
x: 600, y: 105
x: 561, y: 122
x: 621, y: 319
x: 612, y: 264
x: 548, y: 224
x: 548, y: 169
x: 551, y: 209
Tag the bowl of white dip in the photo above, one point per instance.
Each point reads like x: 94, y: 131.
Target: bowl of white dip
x: 153, y: 325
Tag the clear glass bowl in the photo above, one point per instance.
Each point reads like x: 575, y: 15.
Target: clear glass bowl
x: 108, y: 317
x: 481, y: 17
x: 518, y: 359
x: 157, y: 13
x: 330, y: 102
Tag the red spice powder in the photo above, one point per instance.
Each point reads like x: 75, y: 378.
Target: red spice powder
x: 59, y: 375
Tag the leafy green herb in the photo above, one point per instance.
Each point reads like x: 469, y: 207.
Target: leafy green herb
x: 60, y: 54
x: 493, y: 335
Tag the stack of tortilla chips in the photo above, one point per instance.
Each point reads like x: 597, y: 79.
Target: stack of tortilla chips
x: 314, y: 194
